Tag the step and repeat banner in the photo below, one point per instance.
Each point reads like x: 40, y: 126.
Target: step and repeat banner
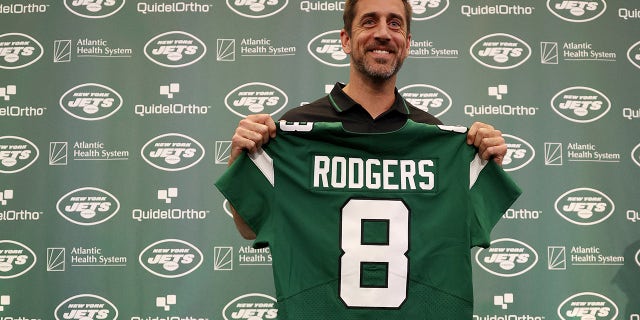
x: 116, y: 116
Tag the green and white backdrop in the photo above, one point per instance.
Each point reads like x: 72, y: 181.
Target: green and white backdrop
x: 116, y: 116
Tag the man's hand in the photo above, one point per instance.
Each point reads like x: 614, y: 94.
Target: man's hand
x: 252, y: 132
x: 488, y: 140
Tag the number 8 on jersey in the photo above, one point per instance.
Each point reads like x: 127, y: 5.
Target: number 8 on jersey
x: 391, y: 255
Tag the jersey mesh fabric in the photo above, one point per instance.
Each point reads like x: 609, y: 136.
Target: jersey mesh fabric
x: 427, y: 302
x: 302, y: 223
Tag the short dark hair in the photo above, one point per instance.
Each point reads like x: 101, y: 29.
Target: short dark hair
x: 350, y: 14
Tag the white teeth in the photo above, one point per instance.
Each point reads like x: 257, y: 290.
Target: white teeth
x: 380, y: 51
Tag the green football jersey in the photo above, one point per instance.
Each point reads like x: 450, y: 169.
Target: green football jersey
x: 370, y: 225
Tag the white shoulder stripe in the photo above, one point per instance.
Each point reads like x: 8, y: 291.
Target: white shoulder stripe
x: 475, y: 167
x: 264, y: 162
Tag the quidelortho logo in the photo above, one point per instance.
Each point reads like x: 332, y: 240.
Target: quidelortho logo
x: 88, y: 206
x: 254, y: 306
x: 257, y: 8
x: 170, y: 258
x: 500, y: 51
x: 577, y: 11
x: 172, y: 152
x: 588, y: 306
x: 18, y: 50
x: 327, y: 48
x: 94, y: 9
x: 16, y: 154
x: 256, y: 97
x: 507, y: 257
x: 633, y: 54
x: 428, y: 98
x: 519, y: 153
x: 581, y: 104
x: 86, y: 307
x: 428, y: 9
x: 91, y: 101
x: 175, y: 49
x: 584, y: 206
x: 15, y: 259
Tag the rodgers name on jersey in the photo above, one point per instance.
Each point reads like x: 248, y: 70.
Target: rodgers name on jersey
x: 340, y: 172
x: 343, y: 172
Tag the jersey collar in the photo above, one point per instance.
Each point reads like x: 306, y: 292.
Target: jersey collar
x: 341, y: 102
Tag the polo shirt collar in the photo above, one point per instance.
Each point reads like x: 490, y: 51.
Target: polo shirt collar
x: 341, y: 102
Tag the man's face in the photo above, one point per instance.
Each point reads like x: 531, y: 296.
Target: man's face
x: 379, y: 40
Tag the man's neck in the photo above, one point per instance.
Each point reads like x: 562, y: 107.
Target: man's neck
x: 375, y: 97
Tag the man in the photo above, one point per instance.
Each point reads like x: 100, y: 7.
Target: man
x: 376, y: 35
x: 344, y: 250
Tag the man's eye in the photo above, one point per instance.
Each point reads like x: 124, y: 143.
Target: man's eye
x: 395, y: 24
x: 368, y: 22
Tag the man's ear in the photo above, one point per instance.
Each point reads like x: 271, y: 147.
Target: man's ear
x: 345, y: 39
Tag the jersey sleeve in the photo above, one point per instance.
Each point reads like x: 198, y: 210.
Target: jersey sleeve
x: 249, y: 190
x: 492, y: 193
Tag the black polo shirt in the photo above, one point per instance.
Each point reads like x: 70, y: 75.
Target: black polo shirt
x: 337, y: 106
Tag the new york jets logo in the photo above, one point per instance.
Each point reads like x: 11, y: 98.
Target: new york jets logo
x: 257, y: 8
x: 88, y: 206
x: 18, y: 50
x: 584, y: 206
x: 633, y: 54
x: 581, y: 104
x: 500, y: 51
x: 86, y: 307
x: 428, y: 98
x: 519, y: 153
x: 170, y: 258
x: 507, y: 257
x: 588, y: 306
x: 327, y: 48
x: 577, y: 11
x: 635, y: 154
x: 255, y: 97
x: 94, y: 9
x: 175, y: 49
x: 251, y: 306
x: 91, y: 101
x: 428, y: 9
x: 16, y: 154
x: 16, y: 259
x: 172, y: 152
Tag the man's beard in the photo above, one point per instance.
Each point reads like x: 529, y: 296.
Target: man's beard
x: 375, y: 73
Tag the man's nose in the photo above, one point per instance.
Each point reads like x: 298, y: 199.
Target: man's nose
x: 382, y: 31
